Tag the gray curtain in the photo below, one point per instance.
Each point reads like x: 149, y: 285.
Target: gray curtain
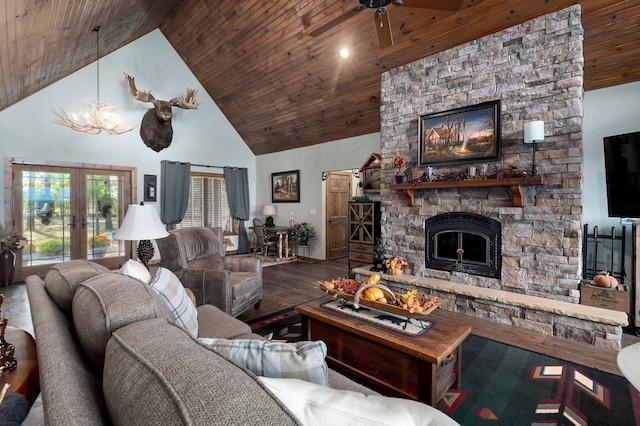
x: 175, y: 179
x: 237, y: 182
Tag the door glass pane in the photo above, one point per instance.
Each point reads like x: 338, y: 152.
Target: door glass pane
x: 103, y: 206
x: 45, y: 217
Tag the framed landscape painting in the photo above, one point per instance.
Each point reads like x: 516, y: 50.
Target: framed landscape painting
x: 463, y: 135
x: 285, y: 187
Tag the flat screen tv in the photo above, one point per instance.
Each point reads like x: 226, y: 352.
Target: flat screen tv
x: 622, y: 169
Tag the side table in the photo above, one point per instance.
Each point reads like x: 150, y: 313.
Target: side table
x: 25, y: 378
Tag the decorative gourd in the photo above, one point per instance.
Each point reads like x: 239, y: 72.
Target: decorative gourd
x: 603, y: 279
x: 374, y: 279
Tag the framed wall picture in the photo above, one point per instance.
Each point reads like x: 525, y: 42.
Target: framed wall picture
x: 464, y: 135
x: 285, y: 187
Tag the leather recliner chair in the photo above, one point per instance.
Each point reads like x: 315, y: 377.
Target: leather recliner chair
x: 196, y: 255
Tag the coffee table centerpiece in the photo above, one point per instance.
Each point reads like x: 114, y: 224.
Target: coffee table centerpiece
x: 376, y: 296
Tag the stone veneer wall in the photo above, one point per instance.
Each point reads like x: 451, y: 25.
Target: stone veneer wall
x: 536, y: 70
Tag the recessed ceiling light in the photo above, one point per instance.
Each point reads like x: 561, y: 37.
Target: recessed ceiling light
x: 344, y: 52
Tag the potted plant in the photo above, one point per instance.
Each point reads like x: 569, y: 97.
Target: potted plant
x: 303, y: 232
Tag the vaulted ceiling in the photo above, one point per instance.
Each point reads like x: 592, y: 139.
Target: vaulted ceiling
x: 279, y: 86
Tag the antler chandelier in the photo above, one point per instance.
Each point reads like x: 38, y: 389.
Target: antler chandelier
x: 95, y: 116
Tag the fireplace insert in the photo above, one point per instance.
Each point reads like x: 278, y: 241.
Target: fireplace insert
x: 465, y: 242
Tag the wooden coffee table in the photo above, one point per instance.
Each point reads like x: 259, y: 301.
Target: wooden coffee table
x: 420, y: 368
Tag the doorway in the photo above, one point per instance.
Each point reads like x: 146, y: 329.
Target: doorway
x: 338, y: 193
x: 69, y: 211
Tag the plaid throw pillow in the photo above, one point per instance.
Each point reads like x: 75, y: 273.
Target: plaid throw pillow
x: 170, y: 289
x: 300, y: 360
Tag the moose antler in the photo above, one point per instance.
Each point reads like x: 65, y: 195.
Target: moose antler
x: 139, y: 95
x: 189, y: 102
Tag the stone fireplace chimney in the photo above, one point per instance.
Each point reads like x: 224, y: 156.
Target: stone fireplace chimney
x: 536, y: 71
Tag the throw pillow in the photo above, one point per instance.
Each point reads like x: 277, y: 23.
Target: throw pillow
x: 136, y: 270
x: 170, y: 289
x: 315, y: 405
x: 300, y: 360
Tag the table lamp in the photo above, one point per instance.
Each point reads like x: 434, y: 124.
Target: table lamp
x: 534, y: 133
x: 269, y: 210
x: 142, y: 223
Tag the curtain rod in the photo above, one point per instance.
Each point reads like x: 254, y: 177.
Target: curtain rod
x: 206, y: 165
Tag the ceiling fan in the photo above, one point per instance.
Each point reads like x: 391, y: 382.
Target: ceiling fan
x: 381, y: 21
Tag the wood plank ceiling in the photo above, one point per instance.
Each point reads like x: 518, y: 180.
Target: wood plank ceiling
x: 278, y: 86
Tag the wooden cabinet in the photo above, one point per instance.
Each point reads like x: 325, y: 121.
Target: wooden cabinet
x: 364, y: 229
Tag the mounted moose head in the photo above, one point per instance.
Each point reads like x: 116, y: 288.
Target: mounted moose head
x: 156, y: 130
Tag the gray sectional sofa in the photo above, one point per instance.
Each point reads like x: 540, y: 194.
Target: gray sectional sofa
x: 110, y: 353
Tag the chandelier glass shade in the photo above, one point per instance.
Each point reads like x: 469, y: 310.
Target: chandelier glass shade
x: 95, y: 115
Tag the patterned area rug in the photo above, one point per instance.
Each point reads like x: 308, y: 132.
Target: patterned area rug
x: 505, y: 385
x: 281, y: 326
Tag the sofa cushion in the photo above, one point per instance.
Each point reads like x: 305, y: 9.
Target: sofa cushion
x: 317, y: 405
x: 170, y: 289
x: 156, y: 374
x: 136, y: 270
x: 105, y: 303
x: 213, y: 322
x: 300, y: 360
x: 62, y: 279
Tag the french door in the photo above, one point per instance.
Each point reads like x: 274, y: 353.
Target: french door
x: 69, y: 213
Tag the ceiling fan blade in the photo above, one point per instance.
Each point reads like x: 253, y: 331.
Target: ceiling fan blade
x: 452, y: 5
x: 337, y: 21
x: 382, y: 26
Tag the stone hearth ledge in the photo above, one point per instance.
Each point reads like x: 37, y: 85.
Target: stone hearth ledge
x: 596, y: 326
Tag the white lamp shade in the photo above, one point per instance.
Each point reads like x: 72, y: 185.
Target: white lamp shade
x: 142, y: 222
x: 269, y: 210
x: 534, y: 131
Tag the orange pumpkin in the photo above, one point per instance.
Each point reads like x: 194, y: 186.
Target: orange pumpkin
x: 374, y: 293
x: 605, y: 280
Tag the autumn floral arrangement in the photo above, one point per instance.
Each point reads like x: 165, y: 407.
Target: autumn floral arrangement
x: 10, y: 240
x: 395, y: 263
x: 399, y: 162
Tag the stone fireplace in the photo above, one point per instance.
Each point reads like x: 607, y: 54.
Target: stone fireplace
x: 535, y: 69
x: 464, y: 242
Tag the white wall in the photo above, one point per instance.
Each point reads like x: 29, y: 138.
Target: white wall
x: 202, y: 136
x: 344, y: 154
x: 607, y: 112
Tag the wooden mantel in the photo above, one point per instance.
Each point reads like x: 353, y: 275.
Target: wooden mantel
x: 515, y: 184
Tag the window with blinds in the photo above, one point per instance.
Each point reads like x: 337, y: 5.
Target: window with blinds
x: 208, y: 204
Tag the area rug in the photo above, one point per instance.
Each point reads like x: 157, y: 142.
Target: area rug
x: 280, y: 326
x: 505, y: 385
